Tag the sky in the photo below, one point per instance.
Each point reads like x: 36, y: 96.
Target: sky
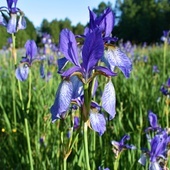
x: 75, y: 10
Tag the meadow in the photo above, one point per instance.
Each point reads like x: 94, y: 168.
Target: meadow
x: 24, y: 108
x: 92, y: 102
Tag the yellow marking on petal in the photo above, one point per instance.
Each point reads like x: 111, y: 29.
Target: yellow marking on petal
x: 110, y: 47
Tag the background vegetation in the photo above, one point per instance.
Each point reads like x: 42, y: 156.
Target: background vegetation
x: 136, y: 20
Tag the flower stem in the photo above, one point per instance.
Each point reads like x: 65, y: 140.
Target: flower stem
x: 14, y: 80
x: 116, y: 163
x: 28, y: 143
x: 86, y: 146
x: 164, y: 59
x: 26, y: 124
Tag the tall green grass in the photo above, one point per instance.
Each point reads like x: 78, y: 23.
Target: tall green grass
x: 135, y: 96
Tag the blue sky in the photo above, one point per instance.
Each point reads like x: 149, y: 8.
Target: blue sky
x: 75, y: 10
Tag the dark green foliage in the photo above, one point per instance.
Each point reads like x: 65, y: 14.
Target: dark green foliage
x: 142, y: 20
x: 3, y: 36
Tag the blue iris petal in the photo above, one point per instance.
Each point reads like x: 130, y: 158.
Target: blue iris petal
x: 22, y: 72
x: 98, y: 122
x: 109, y: 99
x: 62, y: 100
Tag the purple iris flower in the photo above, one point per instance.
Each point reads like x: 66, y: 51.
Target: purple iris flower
x: 92, y: 52
x: 159, y: 148
x: 105, y: 22
x: 118, y: 147
x: 165, y: 88
x: 76, y: 122
x: 100, y: 168
x: 11, y: 22
x: 67, y: 92
x: 155, y: 69
x: 153, y: 122
x: 23, y: 69
x: 113, y: 56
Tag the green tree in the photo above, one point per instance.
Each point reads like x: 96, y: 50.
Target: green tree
x: 142, y: 20
x: 54, y: 30
x: 78, y: 29
x: 45, y: 26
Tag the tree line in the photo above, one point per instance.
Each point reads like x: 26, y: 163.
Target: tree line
x: 136, y: 20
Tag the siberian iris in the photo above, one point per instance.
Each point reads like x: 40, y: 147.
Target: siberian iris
x: 23, y: 69
x: 9, y: 17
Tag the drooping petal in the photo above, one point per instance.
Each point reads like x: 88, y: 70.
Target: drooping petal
x: 93, y: 49
x: 68, y: 46
x: 3, y: 21
x: 62, y: 100
x: 142, y: 159
x: 22, y: 72
x: 109, y: 99
x: 98, y: 122
x: 21, y: 23
x: 116, y: 58
x: 12, y: 24
x: 154, y: 166
x: 31, y: 49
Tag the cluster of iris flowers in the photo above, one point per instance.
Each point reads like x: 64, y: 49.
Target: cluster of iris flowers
x: 159, y: 140
x: 95, y: 57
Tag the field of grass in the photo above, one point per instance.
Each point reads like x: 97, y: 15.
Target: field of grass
x: 29, y: 140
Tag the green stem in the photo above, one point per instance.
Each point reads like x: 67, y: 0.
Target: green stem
x: 94, y: 148
x: 86, y: 146
x: 29, y: 92
x: 87, y: 101
x: 116, y: 163
x: 65, y: 163
x: 28, y: 143
x: 26, y: 123
x: 13, y: 100
x: 164, y: 58
x: 14, y: 81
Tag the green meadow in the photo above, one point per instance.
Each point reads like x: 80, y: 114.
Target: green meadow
x: 29, y: 140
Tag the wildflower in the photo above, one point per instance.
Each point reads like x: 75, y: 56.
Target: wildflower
x: 158, y: 151
x: 76, y: 123
x: 105, y: 22
x: 113, y: 56
x: 118, y: 147
x: 165, y: 88
x: 23, y: 69
x: 14, y: 130
x: 159, y: 143
x: 2, y: 130
x: 165, y: 36
x: 153, y: 122
x: 11, y: 22
x: 100, y: 168
x: 155, y: 69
